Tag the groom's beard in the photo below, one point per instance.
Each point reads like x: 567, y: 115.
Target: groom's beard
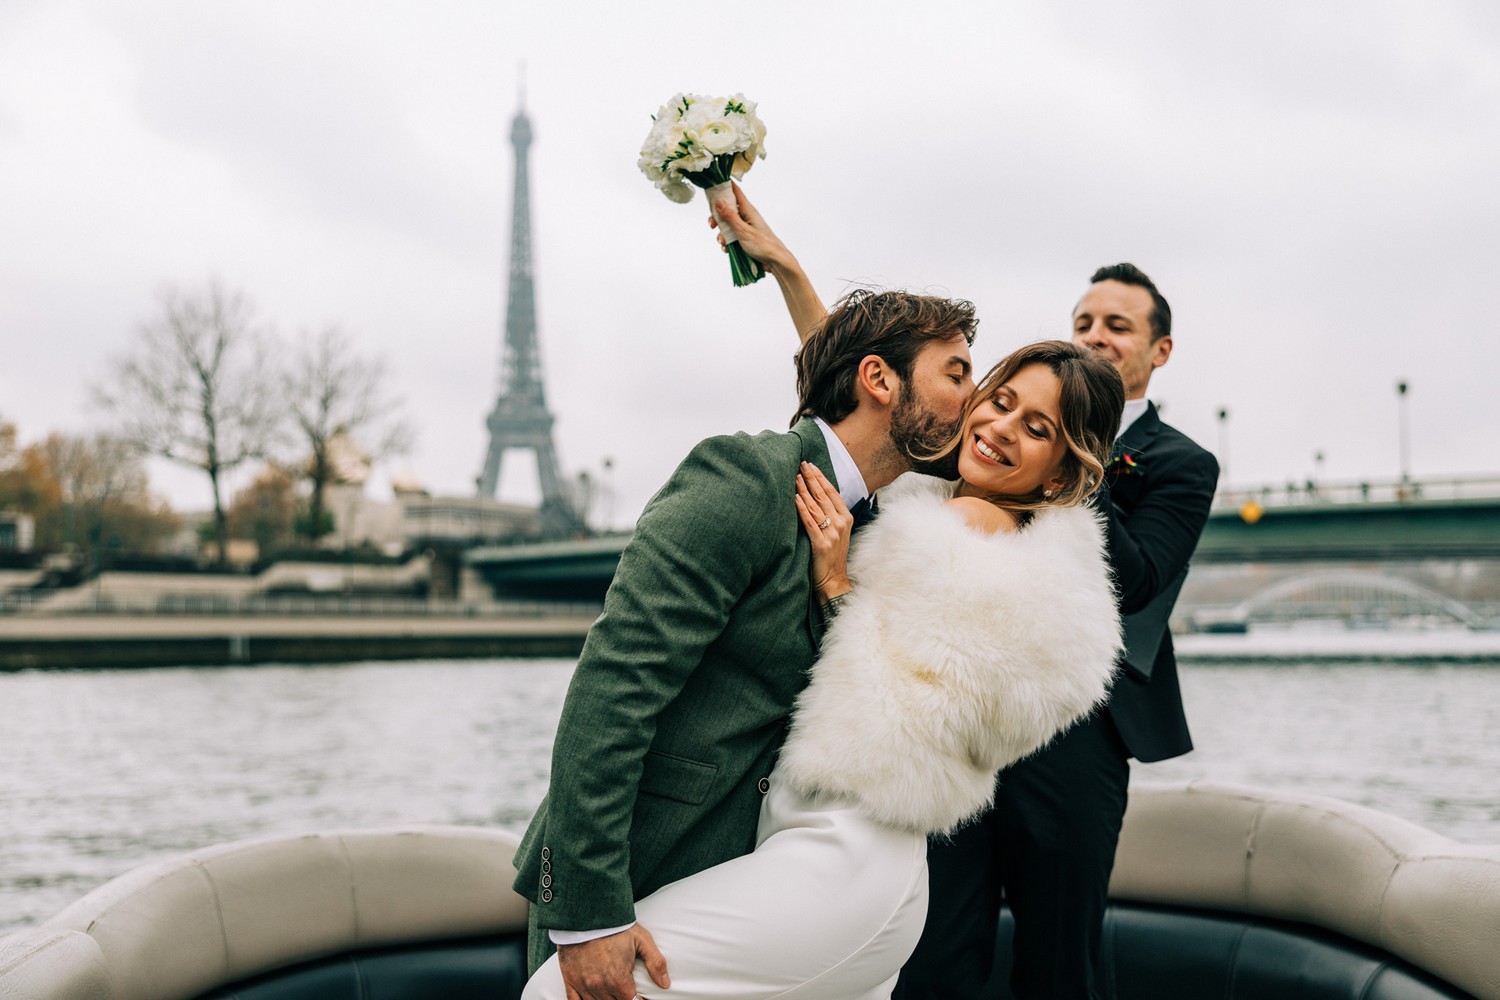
x: 918, y: 432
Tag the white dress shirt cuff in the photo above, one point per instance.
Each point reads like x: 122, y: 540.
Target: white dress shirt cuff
x: 579, y: 937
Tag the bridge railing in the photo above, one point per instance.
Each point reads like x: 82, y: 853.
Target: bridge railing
x: 1318, y: 494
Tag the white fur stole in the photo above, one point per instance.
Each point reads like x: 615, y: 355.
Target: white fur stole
x: 956, y: 655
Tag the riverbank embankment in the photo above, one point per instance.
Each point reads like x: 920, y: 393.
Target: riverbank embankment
x: 33, y: 642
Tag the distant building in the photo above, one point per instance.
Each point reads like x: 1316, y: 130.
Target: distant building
x: 17, y: 531
x: 415, y: 520
x: 464, y: 521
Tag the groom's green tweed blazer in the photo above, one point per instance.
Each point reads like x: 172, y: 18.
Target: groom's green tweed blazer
x: 679, y: 702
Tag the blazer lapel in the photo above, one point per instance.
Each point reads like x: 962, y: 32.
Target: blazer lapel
x: 1127, y: 470
x: 814, y: 450
x: 1130, y: 471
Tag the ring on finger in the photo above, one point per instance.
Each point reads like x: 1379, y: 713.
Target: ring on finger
x: 824, y: 523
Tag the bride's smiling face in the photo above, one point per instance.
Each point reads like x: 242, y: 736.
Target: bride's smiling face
x: 1013, y: 442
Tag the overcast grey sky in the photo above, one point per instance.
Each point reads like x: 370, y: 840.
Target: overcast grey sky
x: 1315, y: 186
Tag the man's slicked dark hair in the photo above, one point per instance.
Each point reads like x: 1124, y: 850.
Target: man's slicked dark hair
x: 894, y: 326
x: 1129, y: 274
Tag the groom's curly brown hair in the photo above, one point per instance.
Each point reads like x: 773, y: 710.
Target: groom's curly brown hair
x: 892, y: 325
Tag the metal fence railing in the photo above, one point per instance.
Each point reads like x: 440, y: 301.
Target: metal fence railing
x: 1314, y: 494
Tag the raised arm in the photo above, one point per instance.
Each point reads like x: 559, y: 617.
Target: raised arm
x: 749, y: 226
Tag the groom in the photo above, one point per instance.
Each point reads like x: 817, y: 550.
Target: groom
x: 678, y: 704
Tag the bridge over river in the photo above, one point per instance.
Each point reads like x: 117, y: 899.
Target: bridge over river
x: 1360, y: 552
x: 1445, y: 519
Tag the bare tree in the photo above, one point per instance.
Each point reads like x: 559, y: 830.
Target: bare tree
x: 334, y: 393
x: 197, y: 388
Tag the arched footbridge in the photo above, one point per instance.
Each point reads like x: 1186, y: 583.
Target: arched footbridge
x: 1352, y: 596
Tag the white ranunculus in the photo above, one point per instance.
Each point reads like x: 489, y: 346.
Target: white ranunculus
x: 719, y: 137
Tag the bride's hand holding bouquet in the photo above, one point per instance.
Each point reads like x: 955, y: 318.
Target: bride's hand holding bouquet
x: 739, y: 223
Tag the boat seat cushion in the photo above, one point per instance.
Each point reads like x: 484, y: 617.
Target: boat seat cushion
x: 1170, y: 953
x: 1150, y: 953
x: 491, y: 968
x: 46, y: 964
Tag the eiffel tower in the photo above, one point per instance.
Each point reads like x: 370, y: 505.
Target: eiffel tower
x: 520, y: 419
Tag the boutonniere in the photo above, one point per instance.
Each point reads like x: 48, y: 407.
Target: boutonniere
x: 1123, y: 464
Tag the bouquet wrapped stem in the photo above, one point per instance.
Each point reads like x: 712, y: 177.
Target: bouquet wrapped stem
x: 745, y: 269
x: 706, y: 142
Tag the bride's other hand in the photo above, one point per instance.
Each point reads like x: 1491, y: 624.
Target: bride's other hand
x: 829, y: 526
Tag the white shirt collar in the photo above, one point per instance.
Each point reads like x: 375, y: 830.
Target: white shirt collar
x: 845, y: 473
x: 1133, y: 410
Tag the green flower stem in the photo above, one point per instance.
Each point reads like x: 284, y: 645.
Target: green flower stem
x: 745, y: 269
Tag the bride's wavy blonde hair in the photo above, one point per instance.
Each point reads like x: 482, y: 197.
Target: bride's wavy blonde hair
x: 1092, y: 397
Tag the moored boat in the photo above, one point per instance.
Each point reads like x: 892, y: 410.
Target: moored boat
x: 1219, y: 891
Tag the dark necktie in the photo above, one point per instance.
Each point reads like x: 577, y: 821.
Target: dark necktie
x: 864, y: 512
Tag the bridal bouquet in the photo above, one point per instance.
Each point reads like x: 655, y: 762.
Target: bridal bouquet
x: 706, y: 141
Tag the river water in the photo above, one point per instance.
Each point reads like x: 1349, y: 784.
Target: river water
x: 102, y: 771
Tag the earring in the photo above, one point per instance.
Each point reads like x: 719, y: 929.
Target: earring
x: 1046, y: 494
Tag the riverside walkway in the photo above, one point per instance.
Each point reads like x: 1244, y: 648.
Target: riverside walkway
x: 31, y: 641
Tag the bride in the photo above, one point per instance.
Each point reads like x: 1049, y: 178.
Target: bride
x: 970, y: 624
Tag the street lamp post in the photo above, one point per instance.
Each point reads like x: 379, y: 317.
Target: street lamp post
x: 1224, y: 445
x: 609, y: 494
x: 1405, y: 438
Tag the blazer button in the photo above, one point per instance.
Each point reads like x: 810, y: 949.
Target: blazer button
x: 764, y: 784
x: 546, y: 895
x: 546, y: 854
x: 546, y: 881
x: 546, y: 867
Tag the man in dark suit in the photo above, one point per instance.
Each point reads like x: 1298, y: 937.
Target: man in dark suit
x: 1049, y: 843
x: 678, y: 705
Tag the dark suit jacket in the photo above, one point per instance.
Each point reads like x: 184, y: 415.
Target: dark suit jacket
x: 678, y: 705
x: 1157, y: 505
